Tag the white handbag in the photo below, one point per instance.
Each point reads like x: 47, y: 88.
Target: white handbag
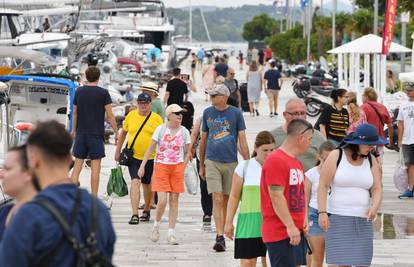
x: 401, y: 174
x: 191, y: 178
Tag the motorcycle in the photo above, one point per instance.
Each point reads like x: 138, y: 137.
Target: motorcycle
x: 317, y: 101
x: 304, y: 85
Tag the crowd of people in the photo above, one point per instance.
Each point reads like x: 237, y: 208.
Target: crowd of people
x: 292, y: 193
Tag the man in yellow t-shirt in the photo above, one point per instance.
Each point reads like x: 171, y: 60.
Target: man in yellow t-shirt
x: 132, y: 124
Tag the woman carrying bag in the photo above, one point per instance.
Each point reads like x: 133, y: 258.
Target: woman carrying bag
x: 172, y: 156
x: 353, y: 177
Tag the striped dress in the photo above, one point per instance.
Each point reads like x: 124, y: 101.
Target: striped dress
x: 248, y: 242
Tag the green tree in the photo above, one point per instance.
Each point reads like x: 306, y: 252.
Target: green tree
x: 259, y: 28
x: 369, y: 4
x: 407, y: 5
x: 322, y: 26
x: 362, y: 21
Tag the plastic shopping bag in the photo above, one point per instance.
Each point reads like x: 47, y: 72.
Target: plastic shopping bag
x: 400, y: 174
x: 191, y: 178
x: 116, y: 184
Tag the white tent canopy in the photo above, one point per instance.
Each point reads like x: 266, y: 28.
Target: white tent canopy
x: 368, y: 44
x: 350, y: 64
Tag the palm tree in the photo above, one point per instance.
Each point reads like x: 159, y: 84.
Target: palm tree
x: 362, y: 21
x: 322, y: 27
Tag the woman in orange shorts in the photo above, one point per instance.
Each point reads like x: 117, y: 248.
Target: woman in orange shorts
x: 172, y: 155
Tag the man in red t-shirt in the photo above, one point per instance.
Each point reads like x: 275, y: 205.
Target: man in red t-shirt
x: 377, y: 114
x: 282, y: 196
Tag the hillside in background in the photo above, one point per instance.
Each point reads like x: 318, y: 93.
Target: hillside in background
x: 226, y: 24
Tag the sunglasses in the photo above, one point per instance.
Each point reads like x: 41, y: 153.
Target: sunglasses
x: 178, y: 113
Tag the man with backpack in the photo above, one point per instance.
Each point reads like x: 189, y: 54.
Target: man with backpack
x: 64, y: 225
x: 377, y: 114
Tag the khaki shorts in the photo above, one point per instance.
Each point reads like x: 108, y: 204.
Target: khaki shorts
x: 219, y: 176
x: 273, y: 92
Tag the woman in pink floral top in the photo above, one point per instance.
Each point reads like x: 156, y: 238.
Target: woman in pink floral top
x: 172, y: 156
x: 356, y: 114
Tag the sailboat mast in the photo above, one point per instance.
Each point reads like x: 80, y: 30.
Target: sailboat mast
x: 191, y: 22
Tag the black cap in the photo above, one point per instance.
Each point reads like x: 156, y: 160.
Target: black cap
x: 144, y: 97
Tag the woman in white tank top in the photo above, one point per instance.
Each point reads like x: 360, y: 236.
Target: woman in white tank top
x: 352, y: 176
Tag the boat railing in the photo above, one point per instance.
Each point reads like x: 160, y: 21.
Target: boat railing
x: 14, y: 137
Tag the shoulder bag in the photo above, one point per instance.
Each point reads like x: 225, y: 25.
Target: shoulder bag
x: 128, y: 153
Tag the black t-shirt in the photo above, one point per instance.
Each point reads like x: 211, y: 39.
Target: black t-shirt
x: 221, y: 69
x: 336, y: 122
x: 272, y: 77
x: 91, y: 102
x: 177, y: 89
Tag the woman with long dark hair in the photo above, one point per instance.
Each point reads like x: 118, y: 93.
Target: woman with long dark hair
x: 334, y: 120
x: 353, y: 178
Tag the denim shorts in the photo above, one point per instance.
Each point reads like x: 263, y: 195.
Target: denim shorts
x: 314, y: 228
x: 88, y: 146
x: 133, y: 168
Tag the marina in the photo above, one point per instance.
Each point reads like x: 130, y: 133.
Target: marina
x: 46, y: 47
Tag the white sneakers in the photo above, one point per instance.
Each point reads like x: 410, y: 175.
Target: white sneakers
x: 172, y: 240
x: 155, y: 236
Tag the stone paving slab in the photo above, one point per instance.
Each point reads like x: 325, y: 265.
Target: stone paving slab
x: 134, y: 248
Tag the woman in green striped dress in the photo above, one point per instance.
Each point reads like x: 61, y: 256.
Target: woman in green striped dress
x: 246, y: 191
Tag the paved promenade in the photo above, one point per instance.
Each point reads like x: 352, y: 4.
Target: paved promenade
x: 393, y: 245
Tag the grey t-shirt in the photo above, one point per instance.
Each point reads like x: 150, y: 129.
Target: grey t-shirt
x: 308, y: 160
x: 223, y: 129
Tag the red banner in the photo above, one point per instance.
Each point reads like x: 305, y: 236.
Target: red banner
x: 388, y: 31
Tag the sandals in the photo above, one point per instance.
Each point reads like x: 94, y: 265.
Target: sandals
x: 134, y: 219
x: 145, y: 217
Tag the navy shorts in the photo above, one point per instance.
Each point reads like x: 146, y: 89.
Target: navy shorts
x: 88, y: 146
x: 133, y: 168
x: 283, y: 254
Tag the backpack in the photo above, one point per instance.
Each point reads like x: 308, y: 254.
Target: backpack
x: 340, y: 157
x: 86, y: 252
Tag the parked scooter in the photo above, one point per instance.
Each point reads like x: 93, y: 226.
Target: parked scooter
x: 317, y: 101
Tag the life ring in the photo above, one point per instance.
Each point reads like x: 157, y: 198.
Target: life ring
x: 24, y: 126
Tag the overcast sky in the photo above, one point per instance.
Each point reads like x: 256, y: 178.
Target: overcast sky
x: 225, y: 3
